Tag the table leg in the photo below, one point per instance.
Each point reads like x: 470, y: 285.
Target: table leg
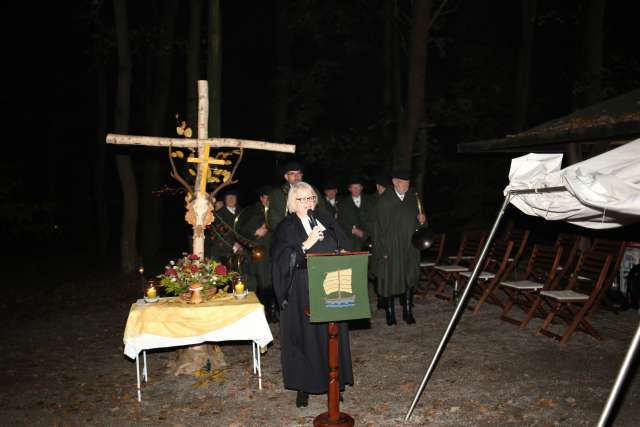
x: 144, y: 355
x: 253, y: 356
x: 138, y: 376
x: 259, y: 368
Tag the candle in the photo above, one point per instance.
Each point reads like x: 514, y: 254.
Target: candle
x: 151, y: 292
x: 239, y: 288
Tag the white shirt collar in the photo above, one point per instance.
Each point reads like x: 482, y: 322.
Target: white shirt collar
x: 357, y: 200
x: 401, y: 196
x: 232, y: 210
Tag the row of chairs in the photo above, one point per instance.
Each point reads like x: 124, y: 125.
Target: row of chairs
x: 556, y: 283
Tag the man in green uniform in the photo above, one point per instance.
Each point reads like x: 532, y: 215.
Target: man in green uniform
x: 330, y: 190
x: 223, y: 240
x: 252, y: 224
x: 356, y: 211
x: 396, y: 262
x: 292, y: 172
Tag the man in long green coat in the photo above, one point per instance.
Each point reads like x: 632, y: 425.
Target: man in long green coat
x: 223, y: 240
x: 252, y: 224
x: 355, y: 216
x: 395, y: 261
x: 292, y: 172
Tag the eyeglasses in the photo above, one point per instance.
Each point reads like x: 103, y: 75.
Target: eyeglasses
x: 307, y: 199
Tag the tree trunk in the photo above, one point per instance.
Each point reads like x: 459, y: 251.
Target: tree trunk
x: 99, y: 156
x: 128, y: 251
x: 214, y: 68
x: 589, y: 80
x: 283, y: 72
x: 153, y: 166
x: 193, y: 61
x: 417, y: 64
x: 523, y: 74
x: 391, y: 96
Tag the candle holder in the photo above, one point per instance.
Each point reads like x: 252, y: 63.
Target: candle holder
x: 151, y: 291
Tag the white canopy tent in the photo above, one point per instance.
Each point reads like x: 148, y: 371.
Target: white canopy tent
x: 599, y: 193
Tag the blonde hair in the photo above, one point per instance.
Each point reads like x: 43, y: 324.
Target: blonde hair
x: 293, y: 193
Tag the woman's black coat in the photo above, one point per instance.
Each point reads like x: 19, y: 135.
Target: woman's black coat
x: 304, y: 345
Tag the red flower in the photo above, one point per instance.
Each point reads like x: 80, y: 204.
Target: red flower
x: 193, y: 257
x: 194, y: 268
x: 170, y: 272
x: 220, y: 270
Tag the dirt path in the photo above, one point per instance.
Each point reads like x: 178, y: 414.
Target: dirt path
x: 62, y: 364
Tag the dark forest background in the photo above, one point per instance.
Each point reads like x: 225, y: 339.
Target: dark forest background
x: 359, y: 86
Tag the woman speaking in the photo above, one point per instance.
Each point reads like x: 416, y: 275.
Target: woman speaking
x: 304, y: 345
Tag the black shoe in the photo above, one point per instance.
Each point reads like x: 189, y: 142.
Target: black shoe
x: 382, y: 304
x: 407, y: 307
x: 302, y: 399
x: 390, y: 311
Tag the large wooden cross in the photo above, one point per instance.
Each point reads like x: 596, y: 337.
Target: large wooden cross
x: 200, y: 209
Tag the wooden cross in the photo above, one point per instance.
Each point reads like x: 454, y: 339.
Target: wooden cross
x: 200, y: 210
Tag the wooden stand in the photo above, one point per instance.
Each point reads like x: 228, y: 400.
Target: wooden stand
x: 333, y: 417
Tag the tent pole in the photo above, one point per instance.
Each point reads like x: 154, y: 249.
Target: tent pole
x: 460, y: 307
x: 622, y: 374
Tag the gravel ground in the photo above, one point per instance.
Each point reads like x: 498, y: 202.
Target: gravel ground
x: 62, y: 363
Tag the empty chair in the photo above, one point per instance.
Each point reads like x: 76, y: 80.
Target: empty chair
x: 442, y: 274
x: 539, y: 275
x: 569, y: 244
x: 573, y: 303
x: 616, y: 249
x: 520, y: 238
x: 430, y: 258
x: 489, y: 278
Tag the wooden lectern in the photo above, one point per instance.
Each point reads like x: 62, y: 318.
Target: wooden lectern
x: 337, y: 292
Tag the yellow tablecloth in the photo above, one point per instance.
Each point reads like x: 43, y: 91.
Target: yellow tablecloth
x: 174, y: 318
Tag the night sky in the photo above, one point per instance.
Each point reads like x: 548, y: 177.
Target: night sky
x: 49, y: 96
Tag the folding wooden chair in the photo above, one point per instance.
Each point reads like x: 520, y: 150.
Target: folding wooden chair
x: 539, y: 275
x: 464, y: 260
x: 489, y: 279
x: 616, y: 249
x: 569, y: 244
x: 573, y: 303
x: 432, y: 257
x: 520, y: 238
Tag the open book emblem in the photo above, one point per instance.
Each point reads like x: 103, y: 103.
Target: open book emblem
x: 337, y: 287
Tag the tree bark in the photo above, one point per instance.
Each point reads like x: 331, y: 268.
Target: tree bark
x: 417, y: 64
x: 391, y: 96
x: 283, y: 72
x: 99, y: 156
x: 151, y: 227
x: 589, y: 80
x: 523, y: 74
x: 193, y: 61
x: 214, y: 68
x: 128, y: 250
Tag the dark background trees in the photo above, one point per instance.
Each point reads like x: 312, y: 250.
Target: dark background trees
x: 358, y: 86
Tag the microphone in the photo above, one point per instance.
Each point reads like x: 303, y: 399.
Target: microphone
x: 312, y: 219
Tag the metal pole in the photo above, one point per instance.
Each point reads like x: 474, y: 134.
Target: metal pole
x: 459, y: 308
x: 622, y: 374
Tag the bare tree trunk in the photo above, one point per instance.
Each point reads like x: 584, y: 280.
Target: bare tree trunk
x: 128, y: 251
x: 391, y: 87
x: 417, y: 64
x: 283, y: 72
x: 523, y: 76
x: 193, y: 61
x: 99, y: 157
x: 214, y: 68
x: 162, y: 61
x: 590, y: 75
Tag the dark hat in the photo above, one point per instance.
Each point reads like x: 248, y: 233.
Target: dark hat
x: 263, y: 190
x: 291, y: 165
x: 230, y: 192
x: 355, y: 179
x: 330, y: 185
x: 383, y: 180
x: 401, y: 174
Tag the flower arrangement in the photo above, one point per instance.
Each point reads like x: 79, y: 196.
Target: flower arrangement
x: 190, y: 269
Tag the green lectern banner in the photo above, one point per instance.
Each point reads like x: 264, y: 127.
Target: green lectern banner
x: 338, y: 287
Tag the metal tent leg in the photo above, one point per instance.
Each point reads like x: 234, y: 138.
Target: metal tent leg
x: 622, y: 374
x: 459, y: 308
